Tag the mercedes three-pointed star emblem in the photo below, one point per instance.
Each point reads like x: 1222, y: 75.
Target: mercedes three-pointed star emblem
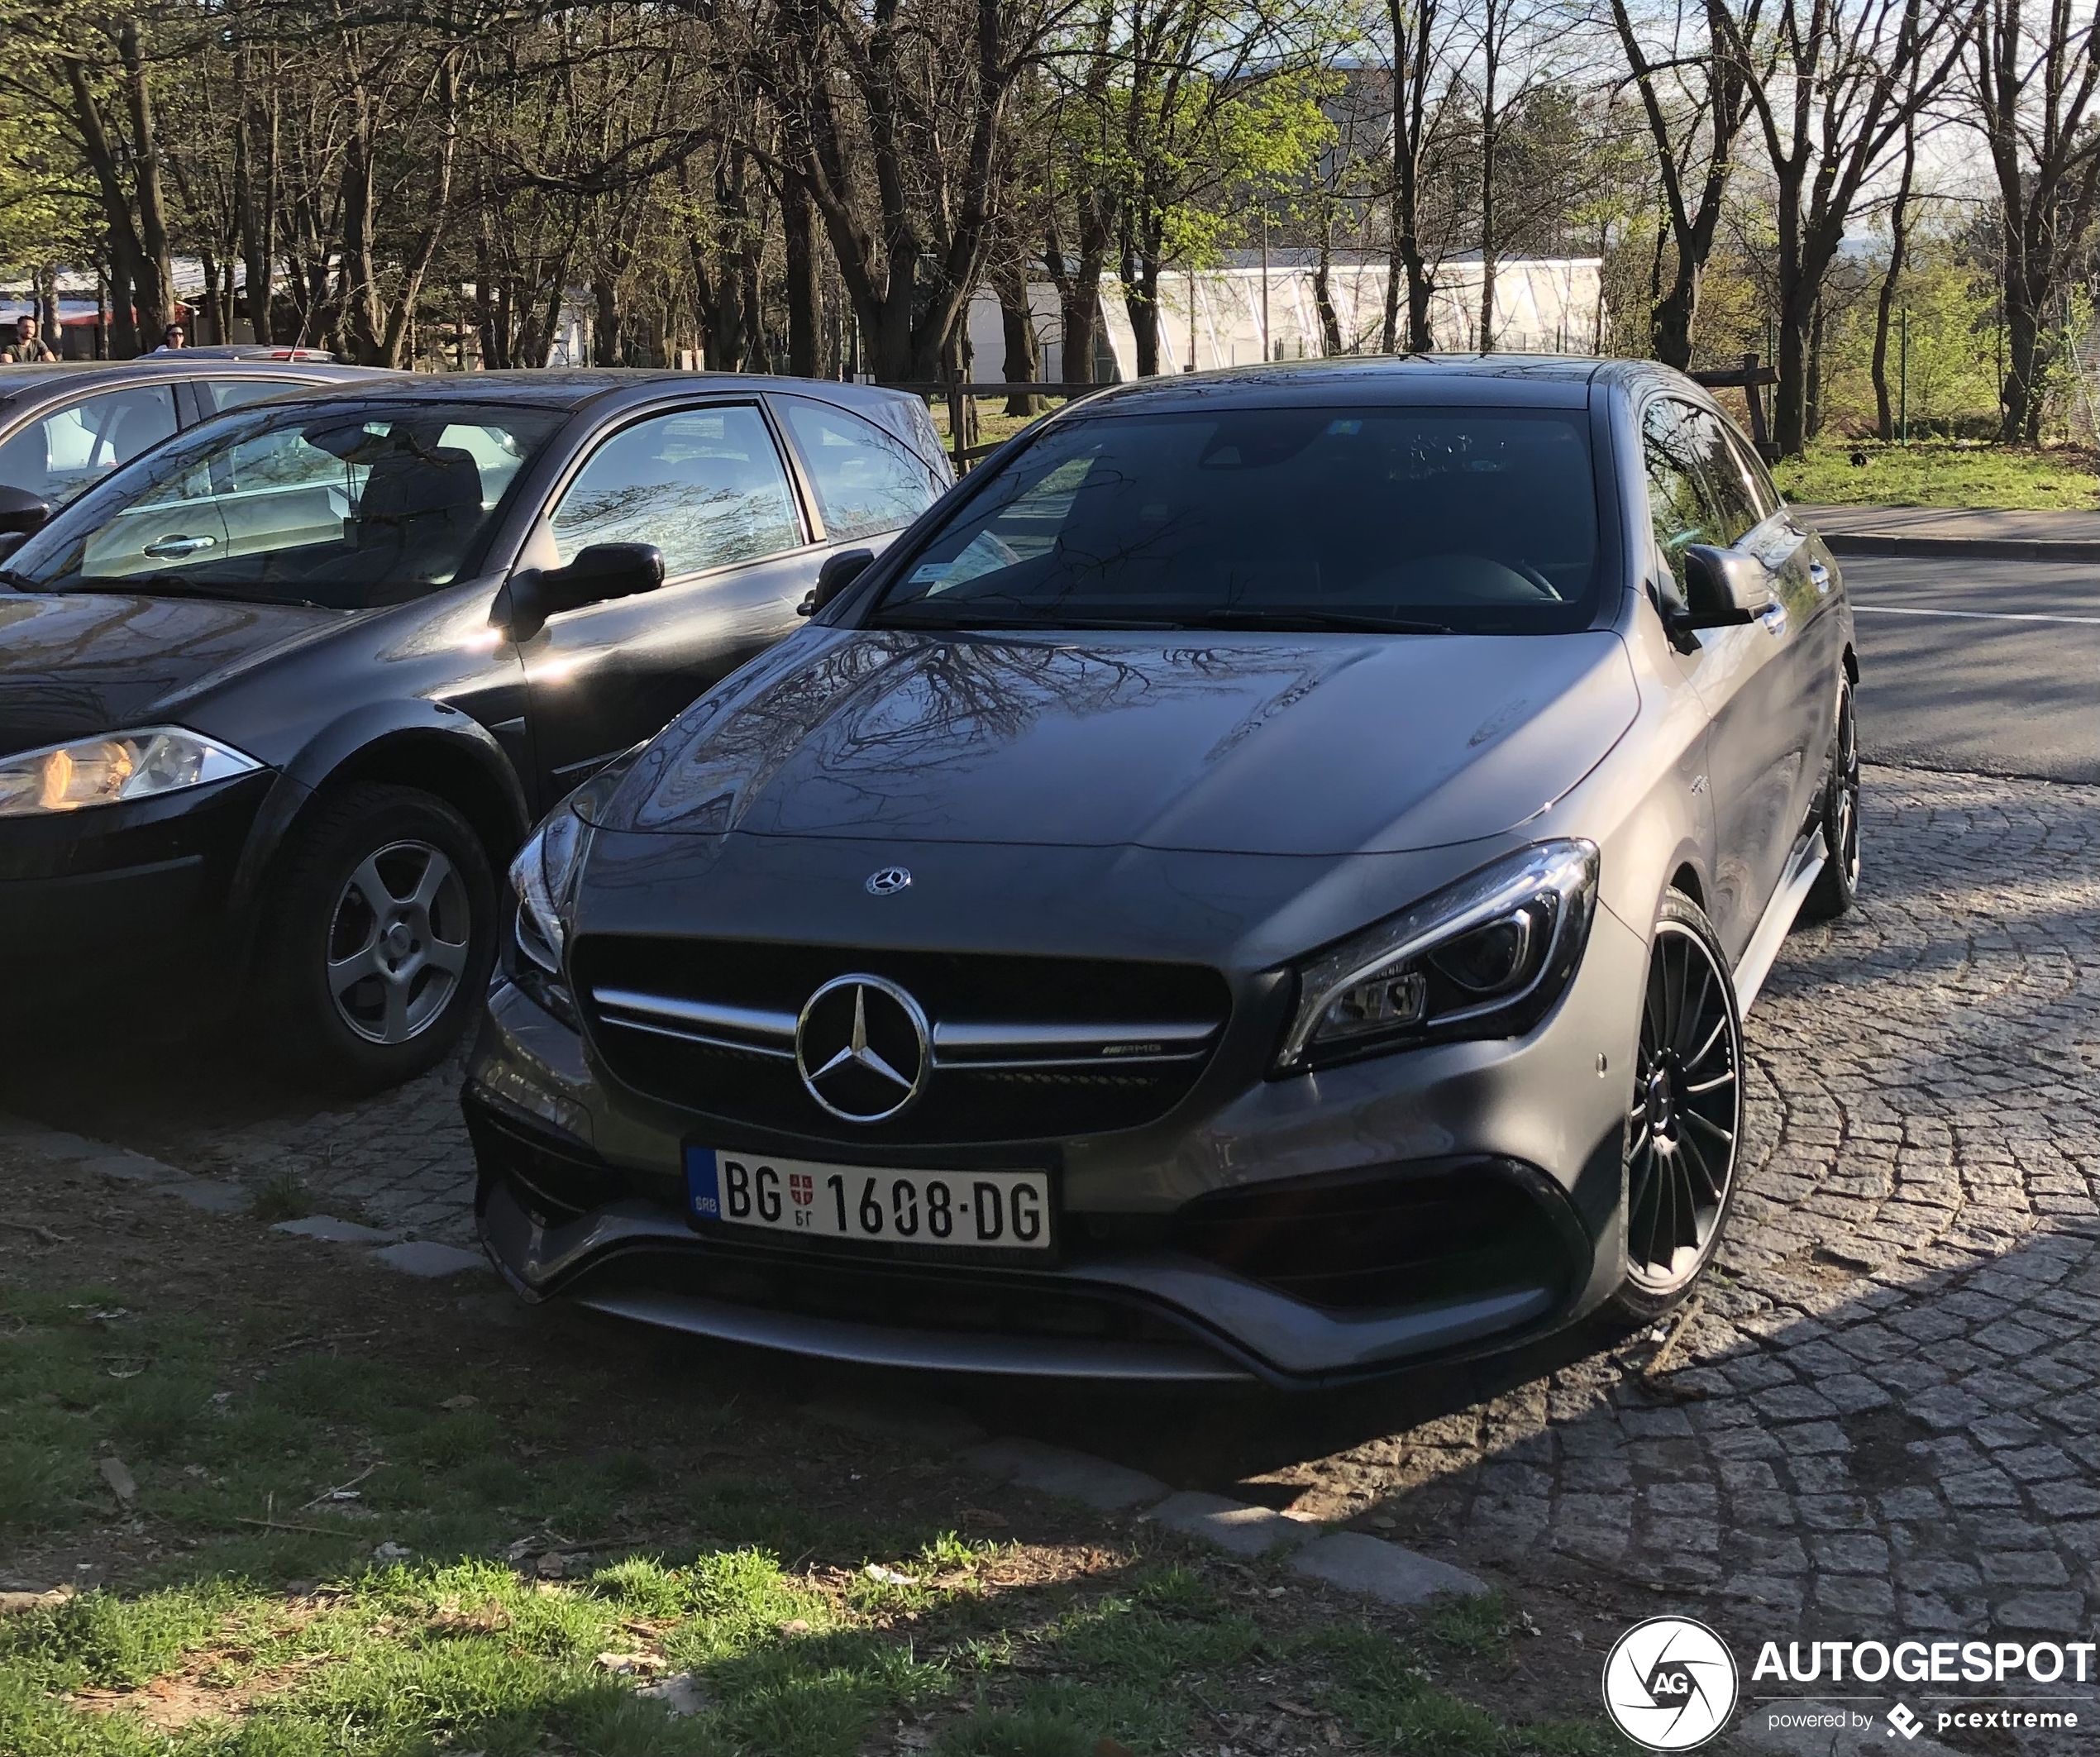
x: 862, y: 1048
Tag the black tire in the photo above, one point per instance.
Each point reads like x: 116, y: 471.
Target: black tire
x: 1838, y: 884
x: 357, y: 995
x: 1685, y: 1129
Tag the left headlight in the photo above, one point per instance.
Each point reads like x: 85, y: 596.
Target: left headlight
x: 1484, y: 958
x: 115, y: 767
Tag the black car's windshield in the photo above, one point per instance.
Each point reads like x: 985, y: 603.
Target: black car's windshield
x: 1477, y: 521
x: 344, y: 505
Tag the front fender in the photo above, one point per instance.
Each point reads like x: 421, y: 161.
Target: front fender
x: 378, y: 741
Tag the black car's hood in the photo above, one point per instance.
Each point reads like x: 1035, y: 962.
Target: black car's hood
x: 74, y: 665
x: 1272, y: 744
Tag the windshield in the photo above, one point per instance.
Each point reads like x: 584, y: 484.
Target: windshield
x: 1475, y: 521
x: 344, y: 507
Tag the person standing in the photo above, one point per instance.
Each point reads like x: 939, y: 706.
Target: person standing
x: 173, y: 339
x: 28, y: 346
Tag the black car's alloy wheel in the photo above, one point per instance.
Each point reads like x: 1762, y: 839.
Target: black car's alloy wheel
x: 398, y: 942
x: 1838, y: 884
x: 380, y: 936
x: 1685, y: 1127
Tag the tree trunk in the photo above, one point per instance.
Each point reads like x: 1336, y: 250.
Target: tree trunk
x: 1899, y: 237
x: 47, y: 306
x: 1330, y: 320
x: 798, y: 226
x: 157, y: 295
x: 1813, y: 417
x: 1141, y: 300
x: 1023, y: 361
x: 607, y: 345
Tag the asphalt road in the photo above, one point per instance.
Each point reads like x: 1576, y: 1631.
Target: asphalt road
x: 1985, y: 666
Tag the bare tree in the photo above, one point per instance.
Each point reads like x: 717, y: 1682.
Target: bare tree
x: 1692, y: 98
x: 2034, y: 76
x: 1832, y: 83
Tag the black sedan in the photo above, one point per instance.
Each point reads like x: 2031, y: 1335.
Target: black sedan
x: 284, y: 696
x: 63, y: 429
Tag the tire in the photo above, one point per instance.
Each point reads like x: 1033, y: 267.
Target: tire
x: 361, y: 990
x: 1838, y: 884
x: 1685, y: 1127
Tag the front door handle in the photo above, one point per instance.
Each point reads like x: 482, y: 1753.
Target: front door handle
x: 175, y: 545
x: 1773, y: 616
x: 1820, y: 576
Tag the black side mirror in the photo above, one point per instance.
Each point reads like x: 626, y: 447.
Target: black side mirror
x: 838, y: 572
x: 602, y: 572
x: 23, y: 512
x: 1722, y: 588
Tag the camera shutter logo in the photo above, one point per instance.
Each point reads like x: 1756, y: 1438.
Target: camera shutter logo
x: 1669, y: 1683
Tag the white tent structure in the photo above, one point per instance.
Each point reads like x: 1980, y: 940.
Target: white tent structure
x: 1240, y: 312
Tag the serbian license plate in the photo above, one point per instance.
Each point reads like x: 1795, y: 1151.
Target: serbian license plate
x: 974, y: 1211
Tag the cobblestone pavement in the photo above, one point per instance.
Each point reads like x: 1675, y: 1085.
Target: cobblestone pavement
x: 1881, y: 1412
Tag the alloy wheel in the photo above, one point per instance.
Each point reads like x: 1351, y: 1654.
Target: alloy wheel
x: 397, y: 942
x: 1843, y: 832
x: 1686, y: 1116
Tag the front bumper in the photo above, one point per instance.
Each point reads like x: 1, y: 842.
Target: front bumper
x: 581, y: 1196
x: 87, y: 893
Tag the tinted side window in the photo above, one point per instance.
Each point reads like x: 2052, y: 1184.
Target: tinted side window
x: 1763, y: 488
x: 1735, y: 495
x: 705, y: 485
x: 64, y: 453
x: 866, y: 480
x: 221, y: 394
x: 1682, y: 512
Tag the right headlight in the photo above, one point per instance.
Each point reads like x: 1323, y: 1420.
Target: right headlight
x: 1484, y: 958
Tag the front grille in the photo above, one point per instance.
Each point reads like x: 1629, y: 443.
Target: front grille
x: 1382, y: 1239
x: 1022, y: 1048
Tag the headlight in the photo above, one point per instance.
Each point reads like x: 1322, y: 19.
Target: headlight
x: 1484, y: 958
x: 120, y: 766
x: 544, y: 876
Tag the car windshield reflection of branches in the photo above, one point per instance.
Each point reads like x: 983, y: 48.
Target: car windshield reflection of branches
x: 1405, y: 521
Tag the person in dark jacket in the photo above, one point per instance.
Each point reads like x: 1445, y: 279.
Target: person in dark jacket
x: 28, y: 346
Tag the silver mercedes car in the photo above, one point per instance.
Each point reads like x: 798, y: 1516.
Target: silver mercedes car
x: 1262, y: 881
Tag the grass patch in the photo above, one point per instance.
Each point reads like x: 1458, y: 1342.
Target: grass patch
x: 355, y: 1556
x: 1944, y: 472
x: 283, y: 1197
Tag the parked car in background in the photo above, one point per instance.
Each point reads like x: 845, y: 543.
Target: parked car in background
x: 279, y: 701
x: 1264, y: 882
x: 63, y: 427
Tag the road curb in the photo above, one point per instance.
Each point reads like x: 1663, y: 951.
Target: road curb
x: 1957, y: 548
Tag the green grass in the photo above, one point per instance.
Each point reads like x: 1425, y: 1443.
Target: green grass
x: 250, y: 1639
x: 1943, y: 473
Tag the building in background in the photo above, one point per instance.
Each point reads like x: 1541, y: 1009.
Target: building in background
x: 1244, y: 312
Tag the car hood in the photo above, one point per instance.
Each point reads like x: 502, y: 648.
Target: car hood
x: 1261, y: 744
x: 71, y: 665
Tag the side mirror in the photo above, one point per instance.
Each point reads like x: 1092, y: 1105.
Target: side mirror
x: 23, y: 512
x: 1722, y: 588
x: 601, y: 572
x: 838, y: 572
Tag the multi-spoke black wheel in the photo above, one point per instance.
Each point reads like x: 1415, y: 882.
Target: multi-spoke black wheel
x: 1686, y: 1119
x: 1838, y: 883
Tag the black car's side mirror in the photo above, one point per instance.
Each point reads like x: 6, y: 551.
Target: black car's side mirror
x: 22, y: 514
x: 602, y: 572
x: 838, y: 572
x: 1722, y: 588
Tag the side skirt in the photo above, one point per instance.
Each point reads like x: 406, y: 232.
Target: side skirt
x: 1803, y: 865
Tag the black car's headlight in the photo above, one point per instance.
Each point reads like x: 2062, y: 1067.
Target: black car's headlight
x: 1484, y: 958
x: 113, y: 768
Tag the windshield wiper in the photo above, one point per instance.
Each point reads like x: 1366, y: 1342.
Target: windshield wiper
x: 1314, y: 620
x: 178, y: 585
